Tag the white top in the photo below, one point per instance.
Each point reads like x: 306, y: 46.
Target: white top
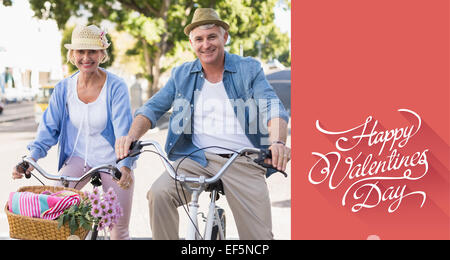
x: 215, y: 123
x: 90, y: 119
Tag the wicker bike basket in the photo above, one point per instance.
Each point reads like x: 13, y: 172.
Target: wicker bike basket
x: 28, y: 228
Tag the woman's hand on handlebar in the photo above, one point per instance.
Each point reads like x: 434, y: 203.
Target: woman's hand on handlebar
x: 19, y: 170
x: 127, y: 179
x: 281, y: 154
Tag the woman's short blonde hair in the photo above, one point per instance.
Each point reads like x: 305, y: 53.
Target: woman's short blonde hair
x: 70, y: 56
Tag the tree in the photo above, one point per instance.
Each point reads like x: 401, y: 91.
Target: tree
x: 158, y: 26
x: 6, y: 2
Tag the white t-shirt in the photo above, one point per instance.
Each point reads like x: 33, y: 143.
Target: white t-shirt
x: 90, y: 119
x: 215, y: 123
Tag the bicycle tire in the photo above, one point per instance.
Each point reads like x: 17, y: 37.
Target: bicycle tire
x: 215, y: 235
x: 95, y: 235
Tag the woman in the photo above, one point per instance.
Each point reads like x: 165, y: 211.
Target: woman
x: 86, y: 113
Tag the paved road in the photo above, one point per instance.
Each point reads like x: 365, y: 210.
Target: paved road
x: 18, y: 117
x: 13, y: 111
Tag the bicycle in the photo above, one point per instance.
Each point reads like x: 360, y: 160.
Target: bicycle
x: 93, y: 174
x: 215, y: 220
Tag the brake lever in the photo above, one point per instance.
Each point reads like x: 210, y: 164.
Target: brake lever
x: 264, y: 154
x: 117, y: 174
x: 96, y: 180
x: 24, y: 167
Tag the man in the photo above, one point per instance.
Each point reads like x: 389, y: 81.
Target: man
x: 214, y: 100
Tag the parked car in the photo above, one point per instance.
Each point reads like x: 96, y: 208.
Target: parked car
x: 12, y: 95
x: 275, y: 64
x: 29, y: 94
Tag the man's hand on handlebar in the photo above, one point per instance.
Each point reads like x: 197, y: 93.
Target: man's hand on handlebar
x: 22, y: 169
x: 281, y: 154
x: 122, y: 146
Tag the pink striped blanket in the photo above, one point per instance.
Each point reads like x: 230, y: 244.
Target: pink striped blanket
x: 45, y: 205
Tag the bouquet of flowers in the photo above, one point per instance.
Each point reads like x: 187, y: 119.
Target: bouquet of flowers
x: 98, y: 208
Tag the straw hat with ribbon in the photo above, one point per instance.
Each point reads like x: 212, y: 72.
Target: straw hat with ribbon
x: 88, y: 38
x: 204, y: 16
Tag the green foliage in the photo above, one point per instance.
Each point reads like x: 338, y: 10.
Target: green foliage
x: 250, y: 20
x: 77, y: 217
x: 6, y: 2
x: 273, y: 44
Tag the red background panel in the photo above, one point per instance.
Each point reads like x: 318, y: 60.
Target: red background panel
x: 357, y: 58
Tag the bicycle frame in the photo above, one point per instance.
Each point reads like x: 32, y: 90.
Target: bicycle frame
x: 213, y: 215
x: 193, y: 227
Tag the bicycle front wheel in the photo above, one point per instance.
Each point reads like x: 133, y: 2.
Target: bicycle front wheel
x: 215, y: 233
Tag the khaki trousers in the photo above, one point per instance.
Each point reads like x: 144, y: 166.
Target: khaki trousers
x: 245, y: 189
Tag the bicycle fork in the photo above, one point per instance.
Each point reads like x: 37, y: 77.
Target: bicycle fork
x: 212, y: 218
x: 211, y: 214
x: 192, y: 232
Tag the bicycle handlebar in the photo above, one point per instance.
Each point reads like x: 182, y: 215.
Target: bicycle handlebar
x: 109, y: 169
x: 136, y: 149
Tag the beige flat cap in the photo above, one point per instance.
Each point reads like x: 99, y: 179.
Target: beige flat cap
x: 205, y: 16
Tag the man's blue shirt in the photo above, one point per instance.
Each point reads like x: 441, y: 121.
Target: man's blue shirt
x: 247, y: 88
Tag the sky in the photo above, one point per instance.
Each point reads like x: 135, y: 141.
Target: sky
x: 283, y: 18
x: 24, y: 36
